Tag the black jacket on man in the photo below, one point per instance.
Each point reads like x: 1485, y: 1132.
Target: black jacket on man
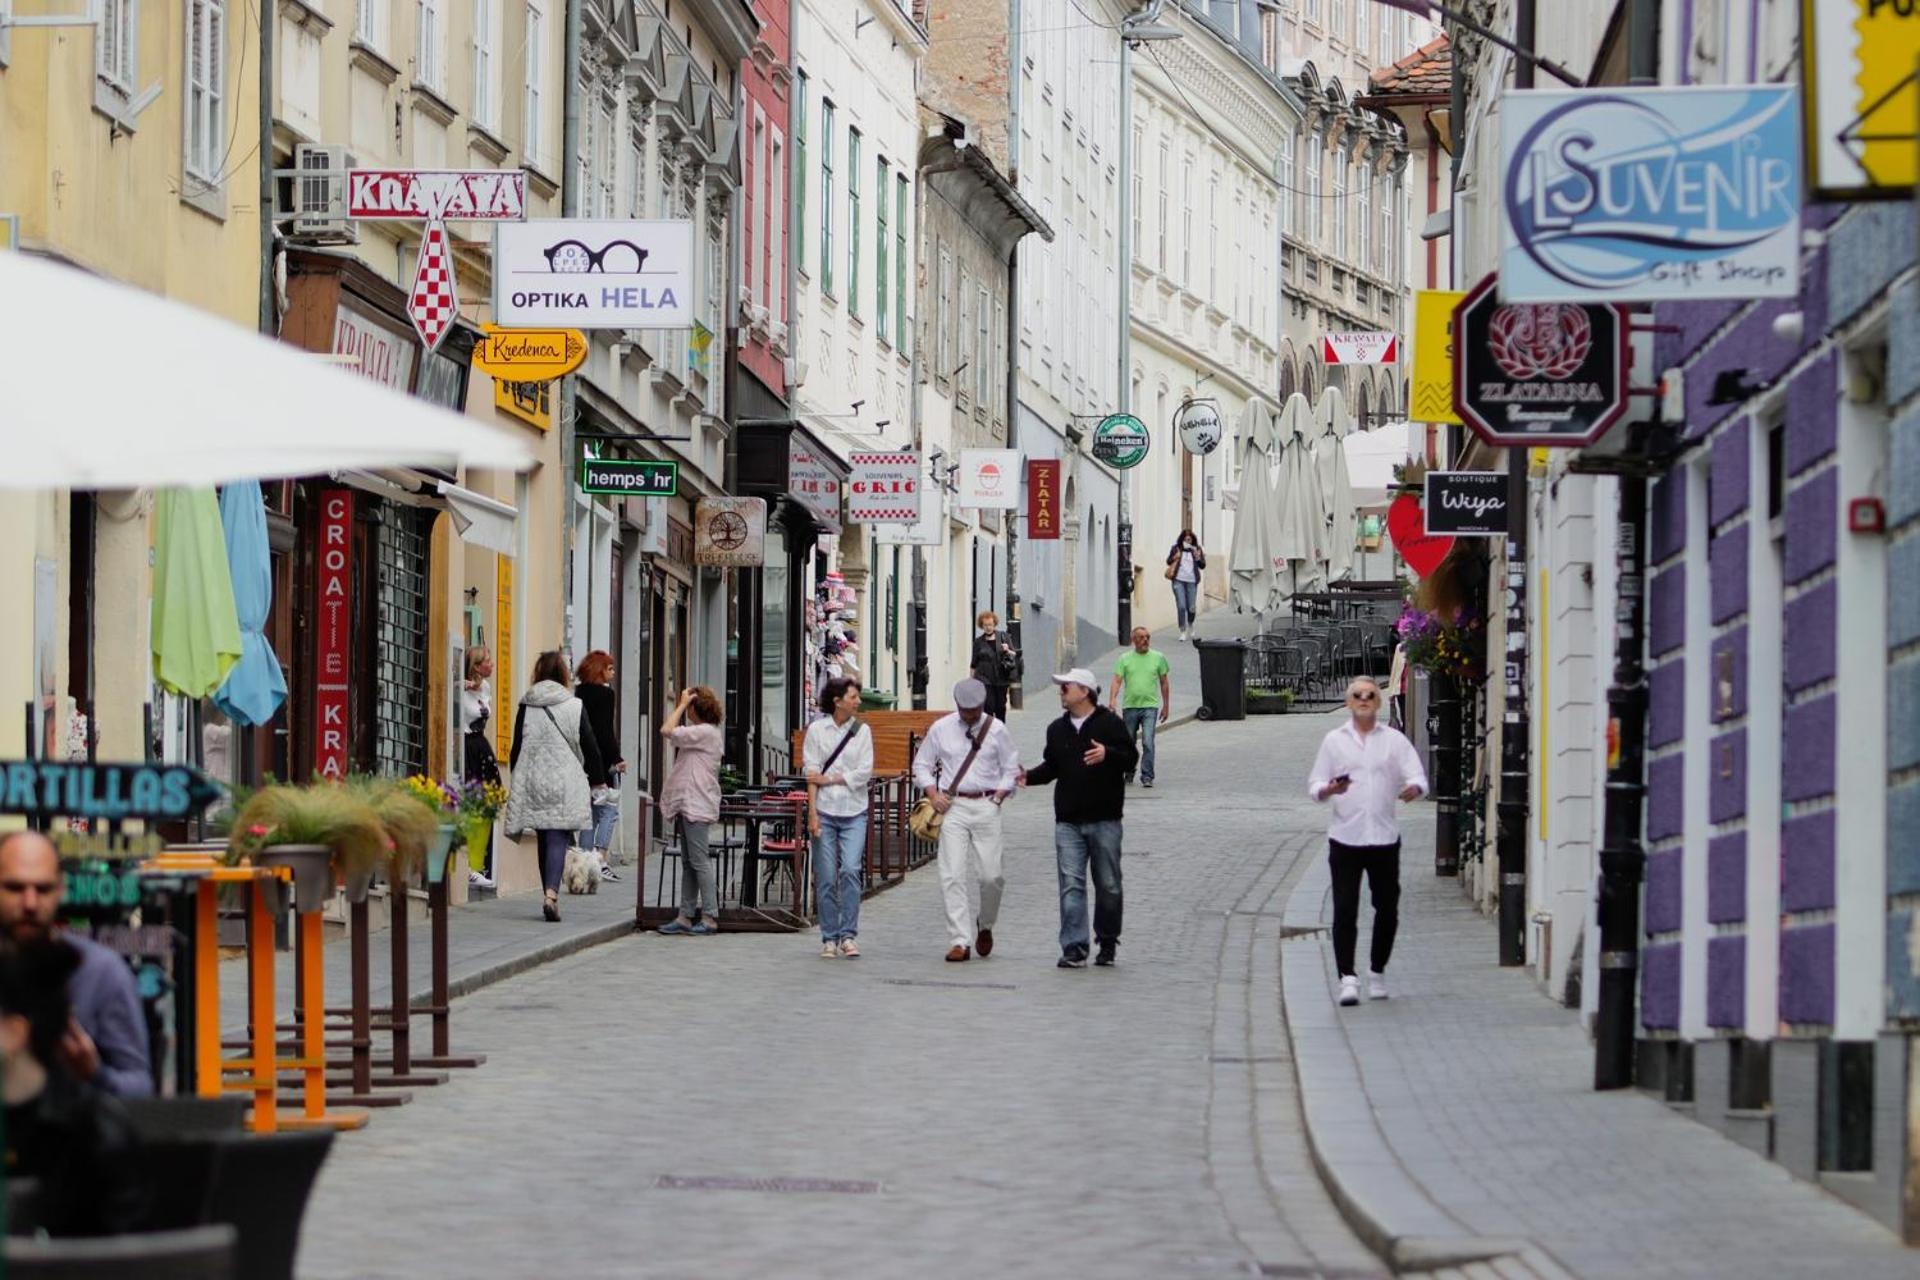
x: 1087, y: 793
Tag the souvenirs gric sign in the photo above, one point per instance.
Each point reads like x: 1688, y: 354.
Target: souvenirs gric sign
x: 1652, y: 194
x: 1538, y: 373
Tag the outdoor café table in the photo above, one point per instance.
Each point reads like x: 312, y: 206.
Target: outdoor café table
x: 753, y: 809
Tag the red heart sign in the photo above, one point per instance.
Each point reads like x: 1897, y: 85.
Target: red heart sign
x: 1407, y: 525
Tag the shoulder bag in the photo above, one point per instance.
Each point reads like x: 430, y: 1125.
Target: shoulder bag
x: 925, y: 820
x: 571, y: 744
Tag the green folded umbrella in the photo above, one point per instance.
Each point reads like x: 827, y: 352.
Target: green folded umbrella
x: 196, y: 627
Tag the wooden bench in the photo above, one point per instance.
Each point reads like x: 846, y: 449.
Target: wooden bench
x: 895, y: 735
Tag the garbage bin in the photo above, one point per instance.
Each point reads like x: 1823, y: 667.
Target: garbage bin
x: 874, y: 700
x: 1223, y: 679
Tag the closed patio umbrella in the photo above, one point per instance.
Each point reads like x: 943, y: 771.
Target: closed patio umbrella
x: 256, y: 686
x: 235, y: 405
x: 1331, y: 424
x: 1250, y: 560
x: 1298, y: 519
x: 196, y: 628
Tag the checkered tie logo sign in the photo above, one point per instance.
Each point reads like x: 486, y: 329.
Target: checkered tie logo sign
x: 432, y: 304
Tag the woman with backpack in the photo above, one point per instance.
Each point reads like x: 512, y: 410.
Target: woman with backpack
x: 838, y: 758
x: 553, y: 758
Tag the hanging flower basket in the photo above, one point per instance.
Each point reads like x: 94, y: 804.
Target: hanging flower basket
x: 312, y: 864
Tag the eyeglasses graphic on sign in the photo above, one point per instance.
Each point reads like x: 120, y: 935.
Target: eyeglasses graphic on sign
x: 573, y: 257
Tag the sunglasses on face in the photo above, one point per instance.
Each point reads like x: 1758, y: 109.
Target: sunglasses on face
x: 1362, y: 697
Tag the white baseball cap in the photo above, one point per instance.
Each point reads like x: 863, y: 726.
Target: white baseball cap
x: 1079, y: 676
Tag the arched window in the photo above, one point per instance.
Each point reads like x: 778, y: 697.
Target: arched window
x: 1362, y: 401
x: 1288, y: 382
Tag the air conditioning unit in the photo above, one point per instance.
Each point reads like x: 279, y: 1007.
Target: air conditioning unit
x: 320, y: 195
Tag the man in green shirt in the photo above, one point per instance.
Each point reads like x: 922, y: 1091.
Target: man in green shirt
x: 1142, y: 674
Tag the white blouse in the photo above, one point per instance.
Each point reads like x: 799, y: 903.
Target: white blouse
x: 843, y: 799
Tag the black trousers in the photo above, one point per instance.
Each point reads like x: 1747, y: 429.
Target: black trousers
x: 1380, y: 863
x: 997, y: 701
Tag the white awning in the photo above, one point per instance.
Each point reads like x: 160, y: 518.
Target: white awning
x: 479, y: 519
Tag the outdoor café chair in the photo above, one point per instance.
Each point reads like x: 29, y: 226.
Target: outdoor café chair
x: 197, y: 1253
x: 157, y: 1118
x: 261, y: 1186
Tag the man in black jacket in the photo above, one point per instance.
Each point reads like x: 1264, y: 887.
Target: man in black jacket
x: 1089, y: 753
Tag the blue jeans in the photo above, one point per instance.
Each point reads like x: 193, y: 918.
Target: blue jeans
x: 1141, y: 724
x: 600, y: 835
x: 1074, y: 843
x: 553, y: 856
x: 1183, y: 597
x: 839, y: 852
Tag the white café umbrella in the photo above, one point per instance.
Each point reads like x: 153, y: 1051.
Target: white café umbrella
x: 1250, y: 561
x: 1296, y: 513
x: 1332, y: 422
x: 110, y: 387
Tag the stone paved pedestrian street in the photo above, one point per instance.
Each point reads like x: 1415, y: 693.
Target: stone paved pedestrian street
x: 738, y: 1107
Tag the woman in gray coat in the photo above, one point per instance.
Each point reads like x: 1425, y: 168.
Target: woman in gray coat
x: 553, y: 756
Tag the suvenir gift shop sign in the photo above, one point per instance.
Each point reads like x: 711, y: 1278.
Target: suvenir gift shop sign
x: 1658, y: 193
x: 577, y: 273
x: 884, y: 488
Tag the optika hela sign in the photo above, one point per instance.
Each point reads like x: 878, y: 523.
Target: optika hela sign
x: 1667, y: 193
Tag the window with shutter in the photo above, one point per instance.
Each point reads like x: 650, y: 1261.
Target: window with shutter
x: 116, y: 45
x: 204, y: 105
x: 484, y: 95
x: 427, y: 58
x: 532, y: 146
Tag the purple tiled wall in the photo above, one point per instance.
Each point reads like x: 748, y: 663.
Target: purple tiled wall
x: 1664, y: 796
x: 1727, y: 564
x: 1667, y: 516
x: 1806, y: 862
x: 1663, y: 891
x: 1728, y: 481
x: 1726, y: 980
x: 1812, y: 637
x: 1660, y: 987
x: 1806, y: 974
x: 1727, y: 878
x: 1667, y: 610
x: 1694, y: 321
x: 1667, y: 703
x: 1807, y: 741
x: 1813, y: 525
x: 1727, y: 781
x: 1813, y: 415
x: 1735, y: 704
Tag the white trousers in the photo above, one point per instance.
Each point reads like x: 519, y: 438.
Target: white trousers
x: 970, y: 879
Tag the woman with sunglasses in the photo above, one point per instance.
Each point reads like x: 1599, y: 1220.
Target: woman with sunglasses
x: 1364, y: 767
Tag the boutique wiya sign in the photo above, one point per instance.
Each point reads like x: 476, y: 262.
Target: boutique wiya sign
x: 1658, y: 193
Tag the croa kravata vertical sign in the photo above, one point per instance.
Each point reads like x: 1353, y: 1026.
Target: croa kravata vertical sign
x: 332, y: 638
x: 1043, y: 498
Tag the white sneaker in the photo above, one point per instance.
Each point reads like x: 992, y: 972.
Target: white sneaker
x: 478, y: 880
x: 1349, y: 990
x: 1376, y: 986
x: 829, y: 951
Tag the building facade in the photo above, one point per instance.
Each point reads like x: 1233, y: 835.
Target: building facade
x: 1772, y: 460
x: 116, y: 160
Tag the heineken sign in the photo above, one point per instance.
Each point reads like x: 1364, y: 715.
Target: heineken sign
x: 1550, y: 373
x: 632, y: 477
x: 1121, y: 441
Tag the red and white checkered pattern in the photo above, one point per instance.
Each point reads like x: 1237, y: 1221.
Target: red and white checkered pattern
x: 432, y: 304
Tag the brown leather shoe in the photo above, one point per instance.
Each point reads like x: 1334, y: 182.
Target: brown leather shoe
x: 956, y: 955
x: 984, y: 943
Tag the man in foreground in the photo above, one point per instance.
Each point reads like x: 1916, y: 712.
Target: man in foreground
x: 1363, y: 767
x: 106, y: 1042
x: 1089, y: 753
x: 967, y: 767
x: 1143, y: 690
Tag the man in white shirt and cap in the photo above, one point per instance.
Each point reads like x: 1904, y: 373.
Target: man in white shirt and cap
x: 1364, y: 766
x: 968, y: 766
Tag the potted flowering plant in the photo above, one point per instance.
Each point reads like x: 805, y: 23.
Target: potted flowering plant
x: 410, y: 826
x: 1451, y: 647
x: 480, y: 804
x: 321, y: 831
x: 444, y: 801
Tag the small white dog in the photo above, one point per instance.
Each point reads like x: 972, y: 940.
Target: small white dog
x: 581, y: 874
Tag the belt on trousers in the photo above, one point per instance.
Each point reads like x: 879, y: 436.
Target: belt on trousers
x: 974, y: 795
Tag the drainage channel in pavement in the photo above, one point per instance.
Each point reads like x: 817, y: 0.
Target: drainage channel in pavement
x: 802, y: 1186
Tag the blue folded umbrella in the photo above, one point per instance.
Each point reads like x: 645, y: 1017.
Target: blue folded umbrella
x: 255, y: 688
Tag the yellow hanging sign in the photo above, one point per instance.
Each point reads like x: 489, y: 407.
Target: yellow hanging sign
x: 1862, y: 98
x: 1432, y: 397
x: 529, y: 355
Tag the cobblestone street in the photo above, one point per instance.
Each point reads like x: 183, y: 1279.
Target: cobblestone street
x: 739, y: 1107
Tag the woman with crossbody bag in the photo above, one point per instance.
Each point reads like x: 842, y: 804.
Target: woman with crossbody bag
x: 553, y: 757
x: 837, y: 755
x: 690, y: 802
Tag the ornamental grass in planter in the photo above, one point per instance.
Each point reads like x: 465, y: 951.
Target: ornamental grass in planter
x: 321, y: 831
x: 411, y: 825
